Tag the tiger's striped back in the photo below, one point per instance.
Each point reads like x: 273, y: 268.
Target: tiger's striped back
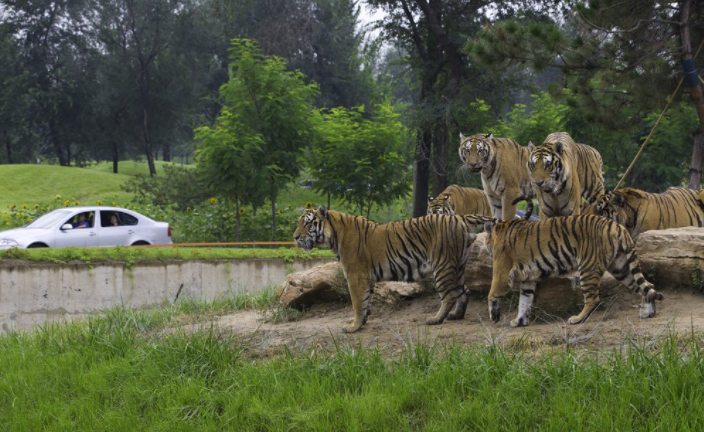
x: 641, y: 211
x: 457, y: 200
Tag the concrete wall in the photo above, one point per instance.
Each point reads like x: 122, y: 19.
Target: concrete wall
x: 33, y: 294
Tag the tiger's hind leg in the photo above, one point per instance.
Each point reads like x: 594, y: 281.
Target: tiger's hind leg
x: 589, y: 281
x: 626, y: 269
x: 450, y: 289
x: 460, y: 309
x: 524, y: 304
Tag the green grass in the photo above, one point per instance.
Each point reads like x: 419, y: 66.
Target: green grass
x: 132, y: 254
x: 39, y: 184
x: 121, y: 372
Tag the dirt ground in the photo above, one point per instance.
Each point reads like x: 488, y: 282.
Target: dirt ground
x: 395, y: 329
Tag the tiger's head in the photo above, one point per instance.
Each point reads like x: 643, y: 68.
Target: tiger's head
x: 310, y: 230
x: 612, y: 205
x: 440, y: 205
x: 476, y: 151
x: 547, y: 167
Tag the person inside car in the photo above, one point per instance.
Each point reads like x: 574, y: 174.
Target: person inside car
x: 82, y: 222
x: 114, y: 221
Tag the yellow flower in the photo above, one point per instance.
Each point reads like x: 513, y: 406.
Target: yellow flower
x: 114, y: 204
x: 98, y: 202
x: 309, y: 205
x: 242, y: 211
x: 213, y: 201
x: 4, y: 212
x: 7, y: 223
x: 58, y: 197
x: 188, y: 209
x: 24, y: 206
x: 66, y: 203
x: 279, y: 211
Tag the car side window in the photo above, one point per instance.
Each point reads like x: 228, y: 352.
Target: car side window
x: 127, y: 219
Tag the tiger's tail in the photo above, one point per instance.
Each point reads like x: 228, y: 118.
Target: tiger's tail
x: 529, y: 205
x: 477, y: 219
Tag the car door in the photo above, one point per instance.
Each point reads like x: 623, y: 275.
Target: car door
x: 77, y: 237
x: 120, y: 235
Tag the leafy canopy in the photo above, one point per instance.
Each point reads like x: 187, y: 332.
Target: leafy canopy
x: 361, y: 161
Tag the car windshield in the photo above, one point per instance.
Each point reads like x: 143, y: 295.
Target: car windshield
x: 50, y: 220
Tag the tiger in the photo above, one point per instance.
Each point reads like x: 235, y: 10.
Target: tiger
x: 641, y: 211
x: 503, y: 163
x: 457, y: 200
x: 524, y: 252
x: 563, y: 172
x: 398, y: 251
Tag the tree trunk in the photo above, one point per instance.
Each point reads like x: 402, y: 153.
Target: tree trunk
x: 439, y: 161
x: 115, y: 157
x: 695, y: 170
x: 273, y: 219
x: 166, y: 151
x: 8, y: 147
x: 421, y: 171
x: 56, y: 142
x: 695, y: 91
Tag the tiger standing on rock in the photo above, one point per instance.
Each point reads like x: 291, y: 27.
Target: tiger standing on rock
x: 398, y: 251
x: 563, y: 172
x: 640, y: 211
x: 503, y: 164
x: 457, y: 200
x: 525, y: 252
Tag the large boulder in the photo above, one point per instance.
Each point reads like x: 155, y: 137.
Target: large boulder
x: 327, y: 283
x: 673, y: 258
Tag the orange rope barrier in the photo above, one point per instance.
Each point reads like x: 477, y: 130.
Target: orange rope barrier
x: 221, y: 244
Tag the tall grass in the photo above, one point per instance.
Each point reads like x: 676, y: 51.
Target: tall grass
x: 119, y: 372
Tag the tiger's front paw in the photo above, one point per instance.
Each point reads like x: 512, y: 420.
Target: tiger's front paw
x: 351, y: 328
x: 433, y: 321
x: 452, y: 316
x: 574, y: 320
x: 649, y: 311
x: 520, y: 322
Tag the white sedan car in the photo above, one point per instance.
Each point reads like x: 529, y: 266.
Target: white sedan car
x: 88, y: 226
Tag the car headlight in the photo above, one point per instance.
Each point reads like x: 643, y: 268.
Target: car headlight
x: 8, y: 243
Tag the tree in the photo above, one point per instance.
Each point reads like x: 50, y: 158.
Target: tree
x: 361, y: 161
x: 617, y: 58
x: 432, y: 34
x: 267, y: 114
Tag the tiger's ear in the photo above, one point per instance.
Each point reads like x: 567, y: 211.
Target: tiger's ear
x: 323, y: 212
x: 462, y: 136
x: 489, y: 136
x: 531, y: 146
x: 558, y: 148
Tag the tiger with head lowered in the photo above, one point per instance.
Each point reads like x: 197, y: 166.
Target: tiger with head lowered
x: 400, y: 251
x: 563, y: 172
x: 457, y: 200
x: 525, y: 252
x: 641, y: 211
x: 503, y: 164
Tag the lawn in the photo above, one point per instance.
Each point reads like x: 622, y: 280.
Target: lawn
x: 123, y: 371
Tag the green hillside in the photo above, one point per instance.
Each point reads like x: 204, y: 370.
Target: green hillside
x: 37, y: 184
x: 129, y: 168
